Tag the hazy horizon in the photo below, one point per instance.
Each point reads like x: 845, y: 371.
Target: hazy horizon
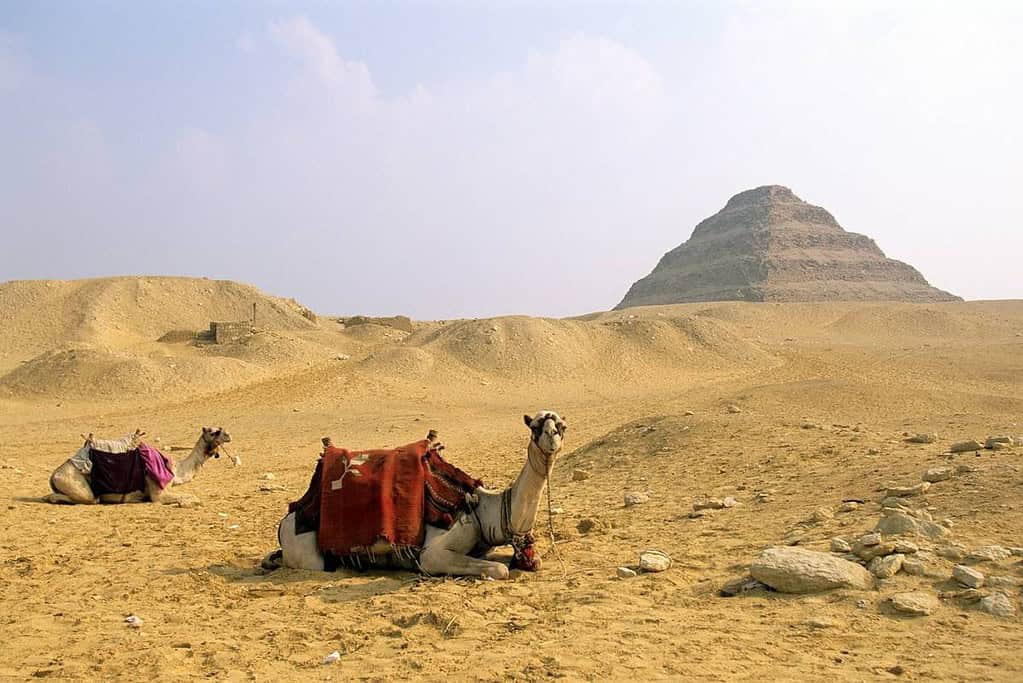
x: 446, y: 160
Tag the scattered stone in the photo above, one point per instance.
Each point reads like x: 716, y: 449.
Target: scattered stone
x: 965, y: 469
x: 870, y: 539
x: 908, y: 491
x: 840, y: 545
x: 730, y: 502
x: 970, y: 578
x: 849, y: 506
x: 689, y: 413
x: 965, y: 446
x: 896, y: 670
x: 653, y: 560
x: 989, y: 553
x: 588, y: 525
x: 997, y: 604
x: 697, y: 514
x: 332, y: 657
x: 1004, y: 440
x: 1010, y: 582
x: 635, y: 498
x: 936, y: 474
x: 820, y: 515
x: 893, y: 502
x: 906, y: 547
x: 923, y: 438
x: 797, y: 570
x: 268, y: 476
x: 1016, y: 552
x: 966, y: 595
x: 862, y: 604
x: 762, y: 497
x: 915, y: 604
x: 898, y: 523
x: 580, y: 475
x: 342, y: 356
x: 267, y: 488
x: 925, y: 565
x: 952, y: 551
x: 133, y: 621
x: 625, y: 573
x: 743, y: 584
x: 820, y: 623
x: 999, y: 446
x: 886, y: 567
x: 734, y: 409
x: 873, y: 451
x: 709, y: 504
x: 869, y: 552
x: 809, y: 425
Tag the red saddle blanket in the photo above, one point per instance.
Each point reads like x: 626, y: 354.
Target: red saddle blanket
x: 357, y: 498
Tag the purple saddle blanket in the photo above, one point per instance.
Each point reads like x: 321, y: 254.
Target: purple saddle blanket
x: 126, y: 472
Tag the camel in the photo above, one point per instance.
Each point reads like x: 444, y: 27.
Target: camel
x: 499, y: 518
x: 71, y: 482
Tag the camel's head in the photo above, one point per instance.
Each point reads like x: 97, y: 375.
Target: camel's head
x: 213, y: 439
x: 548, y: 431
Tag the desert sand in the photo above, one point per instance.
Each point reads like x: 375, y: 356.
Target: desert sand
x: 788, y: 408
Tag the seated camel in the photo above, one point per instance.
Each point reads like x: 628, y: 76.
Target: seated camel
x: 126, y: 470
x: 450, y: 544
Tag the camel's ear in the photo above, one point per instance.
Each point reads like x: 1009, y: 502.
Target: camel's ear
x: 528, y: 420
x: 206, y: 430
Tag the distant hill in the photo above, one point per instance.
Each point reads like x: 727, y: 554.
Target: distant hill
x: 767, y: 244
x: 37, y: 315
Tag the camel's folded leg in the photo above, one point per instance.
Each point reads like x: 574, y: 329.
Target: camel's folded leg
x: 447, y: 553
x: 159, y: 495
x: 70, y: 487
x: 440, y: 560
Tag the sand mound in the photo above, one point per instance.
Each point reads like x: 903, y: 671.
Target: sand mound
x: 906, y: 321
x: 407, y: 363
x: 37, y: 315
x: 268, y: 348
x: 83, y: 371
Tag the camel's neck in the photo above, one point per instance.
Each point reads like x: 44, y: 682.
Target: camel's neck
x: 527, y: 490
x: 186, y: 470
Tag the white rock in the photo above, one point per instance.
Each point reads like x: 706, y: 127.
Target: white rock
x: 635, y: 498
x: 797, y: 570
x: 989, y: 553
x: 849, y: 506
x: 625, y: 573
x: 580, y: 475
x: 936, y: 474
x: 870, y: 539
x: 268, y: 476
x: 654, y: 560
x: 908, y: 491
x: 734, y: 409
x: 709, y: 504
x: 970, y: 578
x: 898, y: 523
x: 729, y: 502
x: 133, y: 621
x: 332, y: 657
x: 840, y: 545
x: 886, y: 567
x: 906, y: 547
x: 997, y: 604
x: 916, y: 604
x: 1009, y: 582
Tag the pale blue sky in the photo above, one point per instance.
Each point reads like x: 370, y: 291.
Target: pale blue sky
x: 478, y: 158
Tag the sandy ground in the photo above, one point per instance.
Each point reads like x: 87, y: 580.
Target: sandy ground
x: 825, y: 393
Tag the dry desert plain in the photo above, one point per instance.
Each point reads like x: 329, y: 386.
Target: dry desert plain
x: 790, y: 409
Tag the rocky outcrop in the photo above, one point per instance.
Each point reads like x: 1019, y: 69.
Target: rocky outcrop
x: 767, y: 244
